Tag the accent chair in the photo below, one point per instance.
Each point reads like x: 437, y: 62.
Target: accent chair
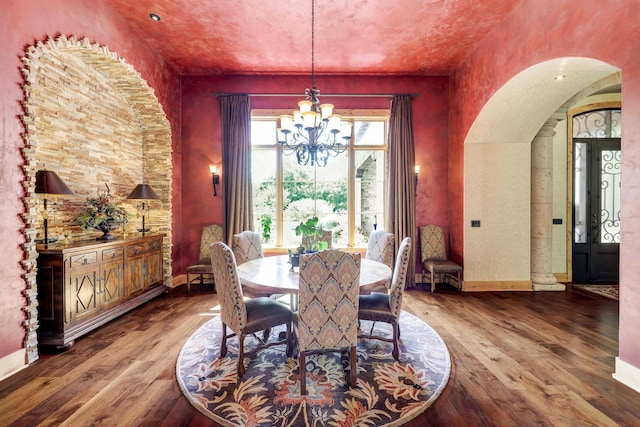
x: 434, y: 259
x: 210, y: 234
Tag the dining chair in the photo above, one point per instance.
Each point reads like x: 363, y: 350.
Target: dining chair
x: 246, y: 246
x: 326, y: 320
x: 386, y: 307
x: 210, y: 234
x: 433, y: 253
x: 380, y: 248
x: 245, y: 317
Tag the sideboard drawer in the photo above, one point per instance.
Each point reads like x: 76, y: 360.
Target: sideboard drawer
x: 112, y: 254
x: 83, y: 259
x: 135, y: 249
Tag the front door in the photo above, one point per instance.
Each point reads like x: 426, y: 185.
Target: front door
x: 596, y: 210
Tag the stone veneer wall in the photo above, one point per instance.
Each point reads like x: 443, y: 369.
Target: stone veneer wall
x: 91, y: 118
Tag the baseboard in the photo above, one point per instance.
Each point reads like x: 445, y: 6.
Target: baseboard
x: 495, y: 285
x: 12, y: 363
x: 561, y: 277
x: 180, y: 279
x: 627, y: 374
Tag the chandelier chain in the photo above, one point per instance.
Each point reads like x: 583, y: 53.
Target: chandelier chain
x: 313, y: 21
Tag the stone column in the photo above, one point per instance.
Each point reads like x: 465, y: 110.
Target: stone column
x: 542, y: 277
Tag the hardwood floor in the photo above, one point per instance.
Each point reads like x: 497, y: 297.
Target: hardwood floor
x: 518, y: 359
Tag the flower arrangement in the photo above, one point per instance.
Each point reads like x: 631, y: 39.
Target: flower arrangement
x: 101, y: 213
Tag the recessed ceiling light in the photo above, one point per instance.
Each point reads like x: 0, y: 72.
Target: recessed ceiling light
x: 154, y: 16
x: 560, y: 76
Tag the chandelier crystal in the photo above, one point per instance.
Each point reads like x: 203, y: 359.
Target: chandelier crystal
x: 313, y: 132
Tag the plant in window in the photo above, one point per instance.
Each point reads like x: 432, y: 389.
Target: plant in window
x: 312, y: 232
x: 265, y: 223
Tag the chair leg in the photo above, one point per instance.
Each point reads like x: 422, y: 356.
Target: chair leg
x: 303, y: 373
x: 353, y: 375
x: 223, y: 343
x: 289, y: 340
x: 241, y: 355
x: 396, y: 334
x: 188, y: 283
x: 433, y: 282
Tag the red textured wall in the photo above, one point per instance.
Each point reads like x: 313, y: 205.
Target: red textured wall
x: 533, y: 34
x: 23, y: 23
x: 201, y: 137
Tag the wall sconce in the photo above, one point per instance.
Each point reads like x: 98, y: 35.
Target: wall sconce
x: 215, y: 178
x: 417, y: 171
x: 49, y: 183
x: 143, y: 192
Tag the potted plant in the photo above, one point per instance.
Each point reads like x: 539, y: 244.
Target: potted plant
x: 312, y: 232
x: 103, y: 214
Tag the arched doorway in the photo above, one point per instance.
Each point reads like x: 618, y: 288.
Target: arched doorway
x: 497, y: 171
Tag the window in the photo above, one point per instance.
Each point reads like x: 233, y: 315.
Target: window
x: 348, y: 194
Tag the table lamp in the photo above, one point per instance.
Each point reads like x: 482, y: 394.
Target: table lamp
x: 143, y: 192
x: 48, y: 183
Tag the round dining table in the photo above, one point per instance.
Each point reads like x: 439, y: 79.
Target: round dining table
x: 274, y: 275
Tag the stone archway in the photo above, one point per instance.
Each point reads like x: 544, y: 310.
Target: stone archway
x: 93, y: 119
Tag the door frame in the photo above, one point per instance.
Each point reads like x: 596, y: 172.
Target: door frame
x: 569, y: 214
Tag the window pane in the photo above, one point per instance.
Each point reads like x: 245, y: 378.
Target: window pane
x: 263, y: 132
x: 369, y: 133
x: 369, y: 193
x: 263, y: 182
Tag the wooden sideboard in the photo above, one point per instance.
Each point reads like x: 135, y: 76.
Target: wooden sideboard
x: 85, y: 284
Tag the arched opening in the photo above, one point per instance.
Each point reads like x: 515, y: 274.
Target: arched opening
x: 91, y: 118
x: 498, y: 165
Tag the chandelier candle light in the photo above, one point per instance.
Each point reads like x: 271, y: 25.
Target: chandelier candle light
x: 316, y: 132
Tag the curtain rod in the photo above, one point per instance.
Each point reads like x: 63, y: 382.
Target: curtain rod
x: 346, y: 95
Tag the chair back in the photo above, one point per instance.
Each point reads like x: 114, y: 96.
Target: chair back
x: 380, y: 247
x: 328, y: 300
x: 399, y: 279
x: 325, y: 236
x: 210, y: 234
x: 232, y: 309
x: 432, y: 245
x: 247, y: 246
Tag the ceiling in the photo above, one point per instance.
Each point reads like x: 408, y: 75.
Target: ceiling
x: 374, y: 37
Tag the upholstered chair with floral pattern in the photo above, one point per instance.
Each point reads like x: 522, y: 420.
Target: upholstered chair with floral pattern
x: 245, y: 317
x: 246, y: 246
x: 433, y: 252
x: 327, y: 317
x: 386, y: 307
x: 210, y: 234
x: 381, y: 248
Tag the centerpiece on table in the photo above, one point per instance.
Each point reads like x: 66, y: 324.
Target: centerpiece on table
x: 102, y: 213
x: 311, y: 232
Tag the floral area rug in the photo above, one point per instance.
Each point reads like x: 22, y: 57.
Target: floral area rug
x: 388, y: 393
x: 609, y: 291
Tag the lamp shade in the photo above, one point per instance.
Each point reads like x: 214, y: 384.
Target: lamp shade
x: 48, y: 182
x: 143, y: 191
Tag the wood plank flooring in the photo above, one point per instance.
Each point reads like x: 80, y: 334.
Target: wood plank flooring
x: 518, y: 359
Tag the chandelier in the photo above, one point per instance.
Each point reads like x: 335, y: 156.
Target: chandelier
x: 313, y: 132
